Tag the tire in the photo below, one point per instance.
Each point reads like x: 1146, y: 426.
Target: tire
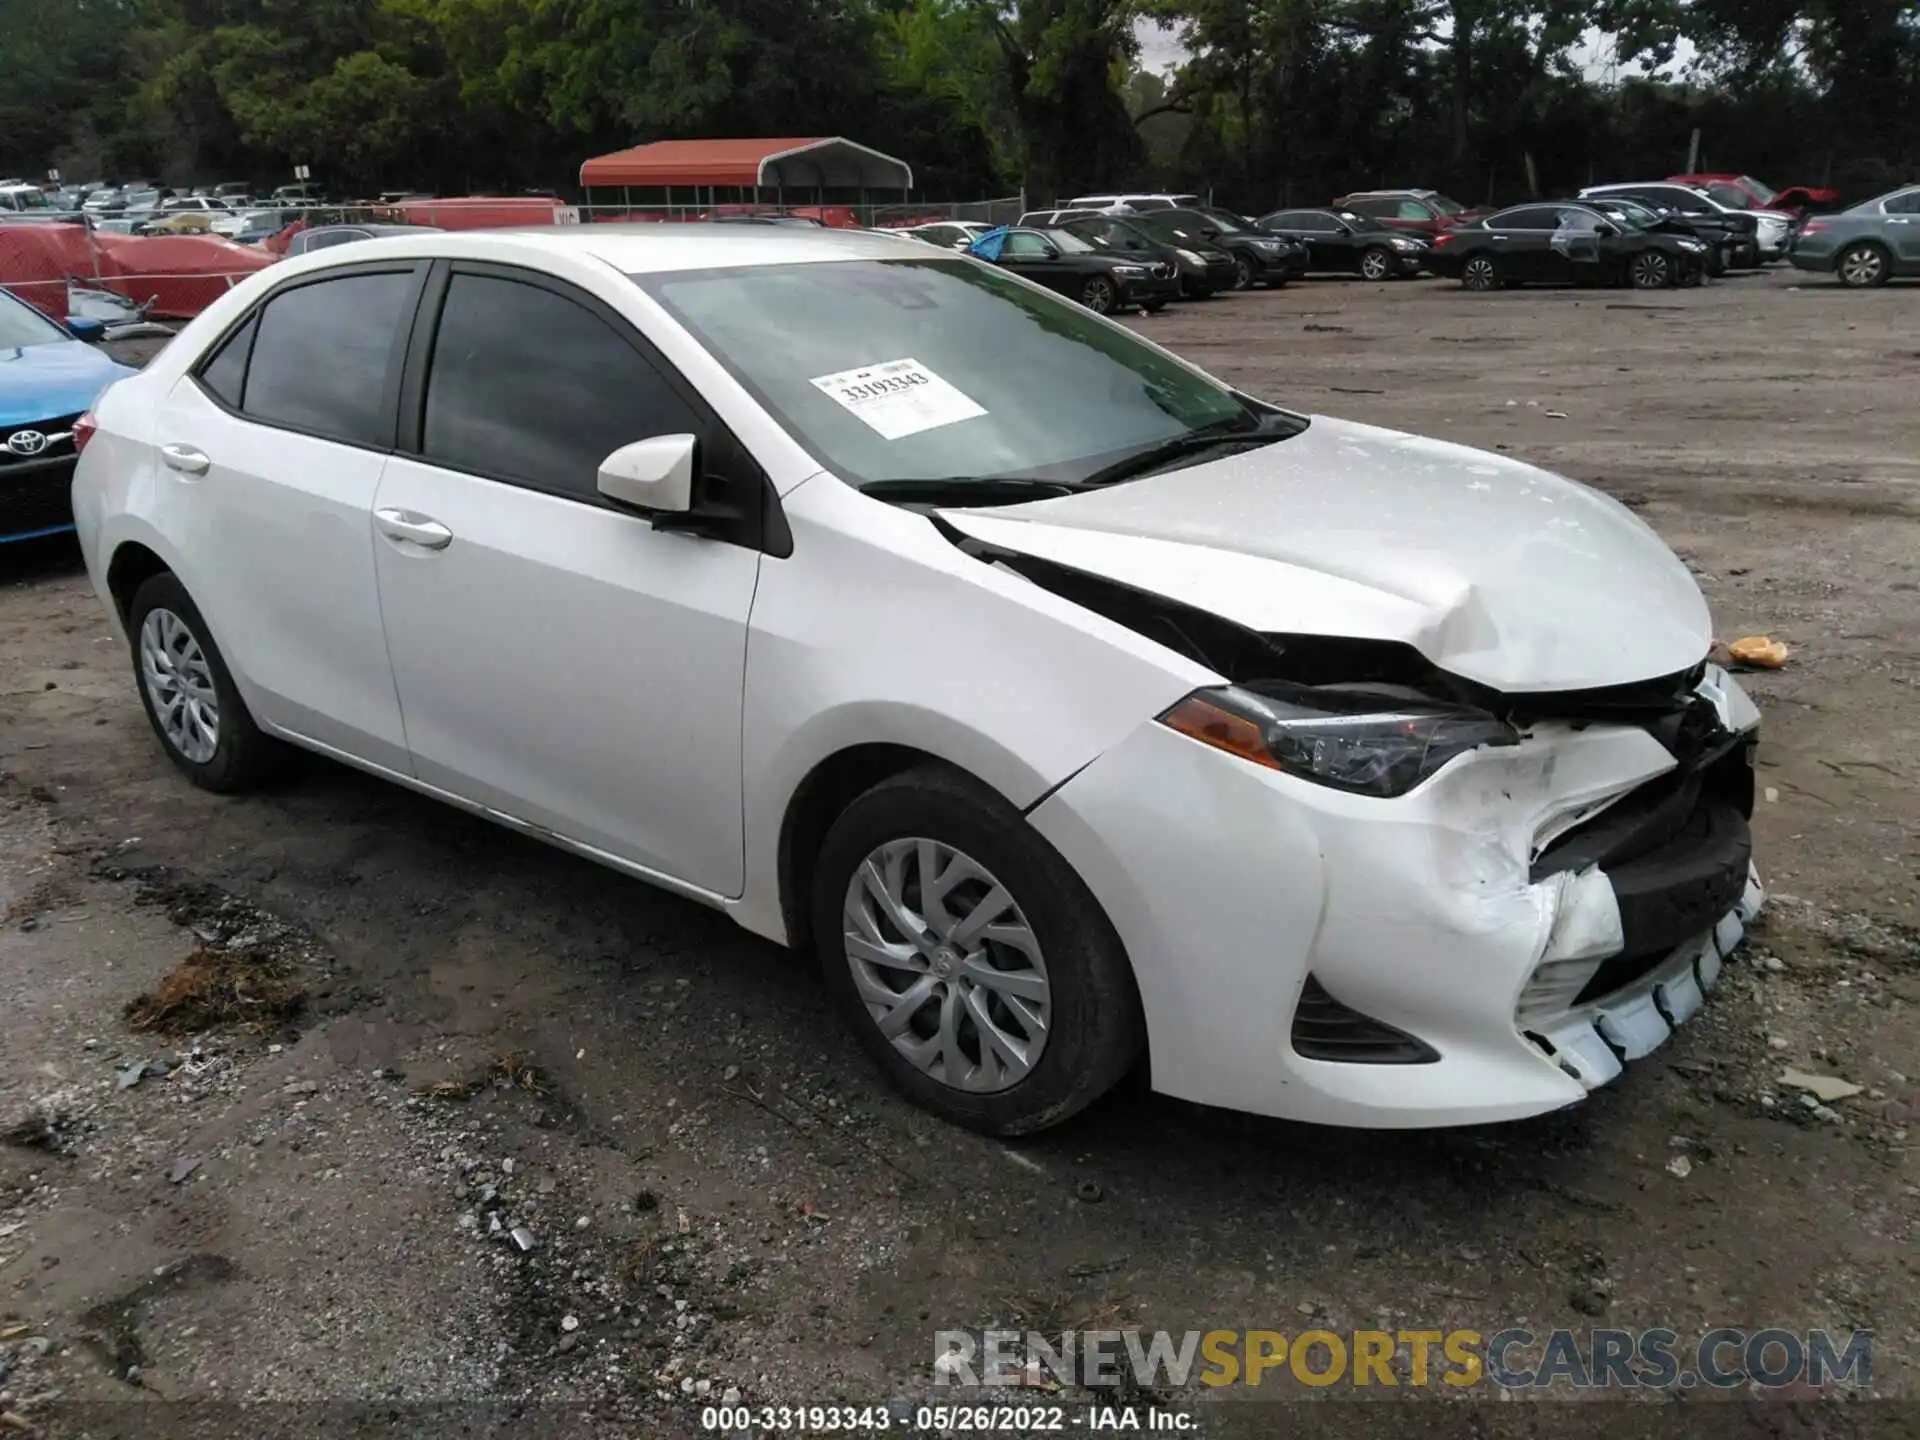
x: 1650, y: 270
x: 1099, y: 295
x: 173, y: 651
x: 1863, y: 265
x: 1244, y: 275
x: 1481, y: 273
x: 1376, y: 263
x: 1092, y: 1032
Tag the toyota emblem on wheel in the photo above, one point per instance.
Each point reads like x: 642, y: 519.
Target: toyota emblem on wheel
x: 26, y: 442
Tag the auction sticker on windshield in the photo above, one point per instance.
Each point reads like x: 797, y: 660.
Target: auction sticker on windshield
x: 898, y: 398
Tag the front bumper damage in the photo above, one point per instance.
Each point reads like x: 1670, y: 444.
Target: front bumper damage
x: 1527, y: 922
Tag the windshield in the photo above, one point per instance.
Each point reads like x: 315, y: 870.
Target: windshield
x: 930, y: 369
x: 21, y: 325
x: 1634, y: 217
x: 1445, y: 205
x: 1765, y: 194
x: 1223, y: 222
x: 1731, y: 197
x: 1172, y: 231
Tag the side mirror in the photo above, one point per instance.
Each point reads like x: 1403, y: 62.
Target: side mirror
x: 654, y: 475
x: 83, y: 327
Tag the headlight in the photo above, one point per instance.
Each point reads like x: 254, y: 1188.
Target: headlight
x: 1191, y: 258
x: 1267, y: 247
x: 1367, y: 744
x: 1129, y: 272
x: 1399, y: 243
x: 1692, y: 245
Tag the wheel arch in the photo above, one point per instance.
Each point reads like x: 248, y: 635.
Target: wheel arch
x: 132, y: 564
x: 821, y: 797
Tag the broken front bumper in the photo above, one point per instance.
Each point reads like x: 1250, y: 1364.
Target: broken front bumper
x: 1271, y: 921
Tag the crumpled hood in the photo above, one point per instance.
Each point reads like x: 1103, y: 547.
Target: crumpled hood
x: 1496, y: 571
x: 39, y: 382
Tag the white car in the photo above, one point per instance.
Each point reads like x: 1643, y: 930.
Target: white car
x: 1073, y: 707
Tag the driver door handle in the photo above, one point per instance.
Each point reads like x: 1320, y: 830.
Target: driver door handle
x: 185, y: 459
x: 419, y: 530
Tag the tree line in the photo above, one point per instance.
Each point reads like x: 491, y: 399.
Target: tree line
x: 1276, y: 101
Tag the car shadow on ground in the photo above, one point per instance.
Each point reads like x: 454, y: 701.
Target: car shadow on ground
x: 607, y: 943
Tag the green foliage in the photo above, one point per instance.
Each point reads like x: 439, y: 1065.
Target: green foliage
x: 1276, y: 100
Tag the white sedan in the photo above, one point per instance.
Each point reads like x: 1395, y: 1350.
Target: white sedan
x: 1078, y: 710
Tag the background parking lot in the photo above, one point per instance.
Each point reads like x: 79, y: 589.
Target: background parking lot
x: 717, y: 1191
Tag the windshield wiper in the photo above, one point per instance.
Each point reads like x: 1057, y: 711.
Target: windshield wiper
x: 1263, y: 431
x: 969, y: 489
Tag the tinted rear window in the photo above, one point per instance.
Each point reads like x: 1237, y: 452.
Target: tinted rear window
x: 320, y: 360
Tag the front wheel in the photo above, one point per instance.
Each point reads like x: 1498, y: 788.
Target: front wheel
x: 1863, y: 266
x: 1481, y: 273
x: 189, y: 694
x: 1098, y: 295
x: 1650, y: 270
x: 1376, y: 264
x: 1244, y: 275
x: 971, y: 961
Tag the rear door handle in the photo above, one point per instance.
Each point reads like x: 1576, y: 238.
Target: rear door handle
x: 185, y: 459
x: 414, y: 529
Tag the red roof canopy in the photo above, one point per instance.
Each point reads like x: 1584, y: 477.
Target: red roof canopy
x: 820, y: 162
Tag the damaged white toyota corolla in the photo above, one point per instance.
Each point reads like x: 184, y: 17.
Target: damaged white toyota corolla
x: 1077, y: 709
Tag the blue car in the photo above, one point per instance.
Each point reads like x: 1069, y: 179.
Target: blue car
x: 49, y: 377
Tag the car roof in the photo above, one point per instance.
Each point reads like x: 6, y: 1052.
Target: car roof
x: 651, y: 248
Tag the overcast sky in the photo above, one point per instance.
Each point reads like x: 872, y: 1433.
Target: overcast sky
x: 1159, y: 50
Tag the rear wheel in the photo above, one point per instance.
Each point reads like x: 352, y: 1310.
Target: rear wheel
x: 1098, y: 294
x: 1650, y: 270
x: 189, y: 694
x: 1864, y: 265
x: 1481, y: 273
x: 1376, y: 263
x: 971, y: 961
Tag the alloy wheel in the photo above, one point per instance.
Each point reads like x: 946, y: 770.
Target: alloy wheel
x: 1243, y: 276
x: 180, y: 684
x: 947, y: 965
x: 1650, y: 270
x: 1098, y: 295
x: 1481, y: 274
x: 1375, y: 264
x: 1863, y: 265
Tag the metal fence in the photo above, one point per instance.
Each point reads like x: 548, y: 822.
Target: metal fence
x: 1003, y: 210
x: 39, y: 262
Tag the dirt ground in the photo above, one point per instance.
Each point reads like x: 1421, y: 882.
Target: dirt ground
x: 718, y: 1193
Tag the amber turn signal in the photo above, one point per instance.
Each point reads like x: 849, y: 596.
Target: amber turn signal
x: 1208, y: 723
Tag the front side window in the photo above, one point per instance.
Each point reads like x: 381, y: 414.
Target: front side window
x: 529, y: 386
x: 321, y: 356
x: 1024, y: 245
x: 928, y: 369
